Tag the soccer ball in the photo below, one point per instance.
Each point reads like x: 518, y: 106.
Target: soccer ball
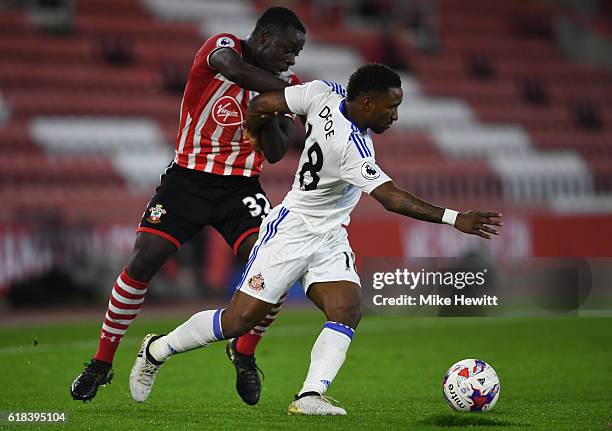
x: 471, y: 385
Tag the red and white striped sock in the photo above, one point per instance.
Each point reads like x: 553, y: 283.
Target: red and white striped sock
x: 247, y: 343
x: 125, y: 302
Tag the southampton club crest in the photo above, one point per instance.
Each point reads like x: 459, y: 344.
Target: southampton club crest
x: 257, y: 283
x: 155, y: 213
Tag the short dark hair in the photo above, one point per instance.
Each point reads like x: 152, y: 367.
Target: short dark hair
x: 278, y: 19
x: 372, y: 76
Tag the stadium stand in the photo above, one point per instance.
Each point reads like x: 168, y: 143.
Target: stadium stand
x: 493, y: 112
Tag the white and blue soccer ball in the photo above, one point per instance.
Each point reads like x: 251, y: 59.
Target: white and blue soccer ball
x: 471, y: 385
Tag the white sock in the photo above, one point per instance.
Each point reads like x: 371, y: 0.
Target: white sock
x: 327, y: 356
x: 200, y: 330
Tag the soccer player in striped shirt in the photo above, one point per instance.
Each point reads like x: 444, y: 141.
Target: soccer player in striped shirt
x: 213, y: 180
x: 305, y: 238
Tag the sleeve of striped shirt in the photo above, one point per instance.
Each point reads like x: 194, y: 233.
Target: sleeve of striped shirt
x: 219, y: 41
x: 359, y: 168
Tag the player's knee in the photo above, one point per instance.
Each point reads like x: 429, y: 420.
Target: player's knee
x: 149, y: 254
x: 143, y: 265
x: 139, y: 268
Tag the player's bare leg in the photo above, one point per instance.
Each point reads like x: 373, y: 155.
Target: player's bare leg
x: 244, y: 249
x: 200, y: 330
x: 149, y: 254
x: 339, y: 300
x: 341, y: 303
x: 241, y: 351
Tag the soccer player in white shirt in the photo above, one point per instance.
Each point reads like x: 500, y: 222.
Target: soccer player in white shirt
x: 305, y: 238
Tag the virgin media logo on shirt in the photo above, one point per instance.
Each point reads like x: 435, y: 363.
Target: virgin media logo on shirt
x: 227, y: 112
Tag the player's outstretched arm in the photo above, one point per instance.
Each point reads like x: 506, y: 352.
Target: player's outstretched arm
x: 472, y: 222
x: 233, y: 67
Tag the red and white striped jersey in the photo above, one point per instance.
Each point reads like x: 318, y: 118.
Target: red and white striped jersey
x: 210, y: 136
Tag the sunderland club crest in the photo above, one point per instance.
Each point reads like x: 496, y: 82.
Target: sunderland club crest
x: 155, y: 213
x: 257, y: 283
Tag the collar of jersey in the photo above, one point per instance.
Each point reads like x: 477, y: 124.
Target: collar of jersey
x: 343, y: 112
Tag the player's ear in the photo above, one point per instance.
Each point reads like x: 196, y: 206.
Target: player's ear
x: 367, y: 102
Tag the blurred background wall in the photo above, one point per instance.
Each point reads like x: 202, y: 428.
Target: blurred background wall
x: 507, y: 106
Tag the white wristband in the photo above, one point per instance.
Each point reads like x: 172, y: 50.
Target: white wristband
x: 449, y: 216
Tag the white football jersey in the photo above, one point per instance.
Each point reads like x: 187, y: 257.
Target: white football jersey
x: 337, y: 163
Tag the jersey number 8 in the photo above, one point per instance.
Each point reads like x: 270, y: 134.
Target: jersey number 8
x: 312, y: 166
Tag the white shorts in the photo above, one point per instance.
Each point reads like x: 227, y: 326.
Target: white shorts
x: 286, y: 252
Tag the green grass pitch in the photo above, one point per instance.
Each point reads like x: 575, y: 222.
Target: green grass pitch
x: 556, y: 374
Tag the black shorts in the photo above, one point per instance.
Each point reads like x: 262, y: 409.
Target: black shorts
x: 187, y: 200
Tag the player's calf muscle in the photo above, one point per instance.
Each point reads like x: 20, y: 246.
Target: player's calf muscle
x: 242, y: 315
x: 235, y: 326
x: 340, y: 301
x: 347, y: 315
